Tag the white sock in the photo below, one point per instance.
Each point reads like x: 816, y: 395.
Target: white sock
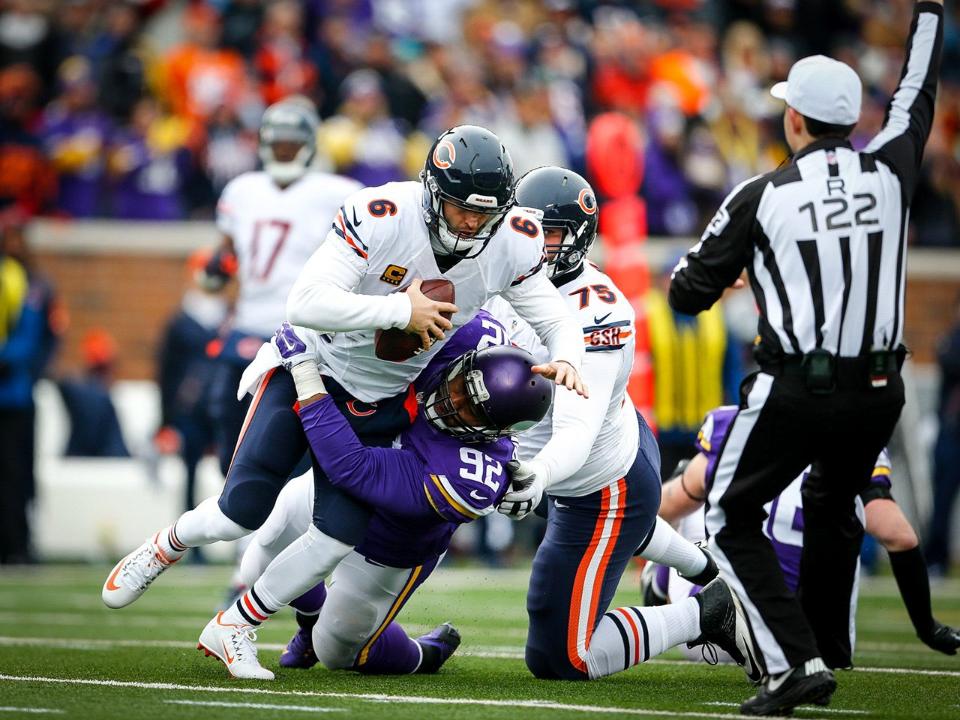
x: 668, y: 547
x: 648, y: 632
x: 300, y: 566
x: 206, y: 524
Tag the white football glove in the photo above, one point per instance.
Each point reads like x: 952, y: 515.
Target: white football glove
x: 295, y: 345
x: 526, y: 489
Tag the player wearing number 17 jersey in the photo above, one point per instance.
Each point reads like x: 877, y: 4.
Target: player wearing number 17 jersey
x: 599, y: 464
x: 271, y: 222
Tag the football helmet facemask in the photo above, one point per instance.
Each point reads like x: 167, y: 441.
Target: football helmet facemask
x: 487, y: 394
x: 569, y: 204
x: 467, y: 167
x: 292, y: 122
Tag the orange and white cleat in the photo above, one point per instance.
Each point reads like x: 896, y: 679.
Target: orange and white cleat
x: 234, y: 646
x: 131, y: 577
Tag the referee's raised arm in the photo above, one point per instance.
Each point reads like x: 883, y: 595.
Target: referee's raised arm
x: 910, y: 111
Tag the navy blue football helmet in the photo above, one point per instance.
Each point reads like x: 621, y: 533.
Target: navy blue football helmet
x: 468, y: 167
x: 568, y: 203
x: 501, y: 394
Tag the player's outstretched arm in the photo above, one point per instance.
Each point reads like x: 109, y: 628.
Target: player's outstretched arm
x: 886, y: 522
x: 538, y: 302
x: 685, y: 491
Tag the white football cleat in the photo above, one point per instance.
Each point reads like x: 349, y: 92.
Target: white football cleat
x: 131, y: 577
x: 233, y: 645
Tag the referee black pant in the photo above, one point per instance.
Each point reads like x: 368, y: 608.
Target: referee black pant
x: 781, y: 428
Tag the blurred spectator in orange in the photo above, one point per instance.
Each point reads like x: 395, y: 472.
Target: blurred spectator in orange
x: 201, y: 76
x: 75, y: 134
x: 185, y: 373
x: 362, y: 140
x: 280, y: 58
x: 27, y: 178
x: 94, y: 425
x: 149, y: 161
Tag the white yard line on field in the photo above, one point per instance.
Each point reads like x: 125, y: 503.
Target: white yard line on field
x: 38, y: 711
x: 255, y: 706
x: 375, y: 697
x: 835, y: 711
x: 481, y: 651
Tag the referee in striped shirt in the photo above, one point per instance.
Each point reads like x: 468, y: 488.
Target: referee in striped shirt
x: 823, y: 241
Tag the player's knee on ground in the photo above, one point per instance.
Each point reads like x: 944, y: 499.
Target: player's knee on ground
x: 546, y: 654
x: 343, y: 628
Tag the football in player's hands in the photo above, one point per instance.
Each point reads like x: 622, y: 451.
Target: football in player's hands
x: 395, y: 344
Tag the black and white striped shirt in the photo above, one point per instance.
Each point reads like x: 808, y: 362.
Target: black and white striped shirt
x: 823, y: 238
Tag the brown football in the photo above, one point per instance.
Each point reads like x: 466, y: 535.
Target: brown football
x: 397, y: 345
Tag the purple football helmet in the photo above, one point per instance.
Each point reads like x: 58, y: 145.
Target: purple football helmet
x: 488, y: 394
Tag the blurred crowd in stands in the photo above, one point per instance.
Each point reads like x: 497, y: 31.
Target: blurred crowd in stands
x: 144, y: 109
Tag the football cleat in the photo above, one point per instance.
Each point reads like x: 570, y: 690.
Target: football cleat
x: 705, y: 576
x: 131, y: 577
x: 651, y: 591
x: 812, y: 682
x: 943, y: 639
x: 299, y: 651
x: 724, y: 623
x: 233, y: 645
x: 437, y: 646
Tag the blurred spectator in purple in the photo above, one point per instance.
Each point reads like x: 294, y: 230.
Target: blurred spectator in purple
x: 27, y: 179
x: 666, y: 189
x: 94, y: 424
x: 75, y: 134
x: 149, y: 161
x: 362, y: 140
x: 280, y: 58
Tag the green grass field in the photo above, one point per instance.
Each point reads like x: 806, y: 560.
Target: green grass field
x: 63, y: 654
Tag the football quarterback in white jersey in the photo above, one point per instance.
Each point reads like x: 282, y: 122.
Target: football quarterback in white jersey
x: 271, y: 221
x: 457, y: 223
x: 598, y: 462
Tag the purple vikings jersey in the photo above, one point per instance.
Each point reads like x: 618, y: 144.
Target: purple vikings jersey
x: 429, y: 482
x: 784, y: 523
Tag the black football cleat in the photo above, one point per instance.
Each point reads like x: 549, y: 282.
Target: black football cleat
x: 437, y: 646
x: 943, y: 639
x: 812, y: 682
x: 705, y: 576
x: 724, y: 623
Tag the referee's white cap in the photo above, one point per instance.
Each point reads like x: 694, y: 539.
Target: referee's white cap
x: 822, y: 88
